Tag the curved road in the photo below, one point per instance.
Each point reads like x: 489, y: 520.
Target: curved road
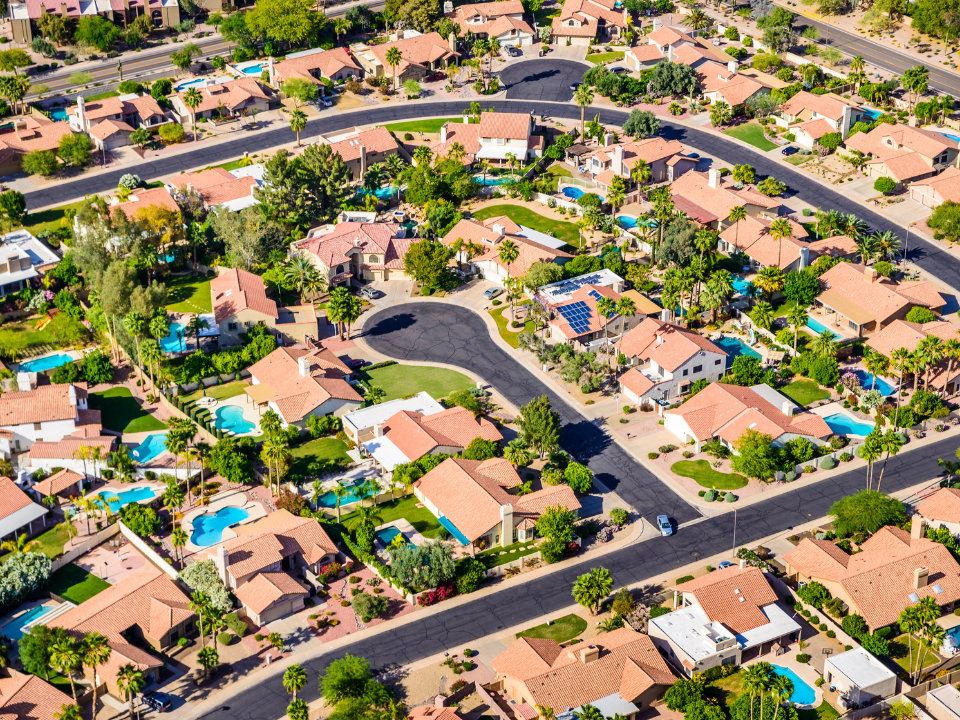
x: 452, y: 334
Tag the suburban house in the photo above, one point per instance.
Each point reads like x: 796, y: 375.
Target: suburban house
x: 906, y: 565
x: 64, y: 453
x: 24, y: 15
x: 903, y: 334
x: 425, y: 712
x: 47, y: 413
x: 665, y: 159
x: 231, y: 190
x: 619, y: 672
x: 297, y: 382
x: 942, y: 510
x: 937, y: 189
x: 583, y: 21
x: 111, y: 121
x: 722, y: 83
x: 471, y: 499
x: 562, y: 290
x: 240, y: 302
x: 408, y: 435
x: 259, y: 565
x: 811, y: 116
x: 726, y: 412
x: 480, y: 241
x: 664, y: 43
x: 500, y: 20
x: 667, y: 359
x: 361, y: 149
x: 752, y: 237
x: 943, y: 702
x: 864, y: 301
x: 708, y: 199
x: 367, y: 251
x: 421, y: 55
x: 861, y: 679
x: 159, y: 197
x: 496, y: 137
x: 61, y: 486
x: 233, y: 98
x: 19, y: 514
x: 579, y: 319
x: 314, y: 65
x: 26, y: 697
x: 904, y: 153
x: 144, y: 609
x: 23, y: 258
x: 25, y: 135
x: 362, y: 425
x: 726, y: 617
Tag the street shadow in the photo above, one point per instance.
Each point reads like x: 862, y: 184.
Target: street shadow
x: 385, y: 326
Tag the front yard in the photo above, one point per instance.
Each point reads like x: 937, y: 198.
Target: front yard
x: 559, y: 229
x: 122, y: 413
x: 597, y: 58
x: 509, y: 334
x: 707, y: 476
x: 496, y: 556
x: 752, y: 134
x: 560, y: 630
x: 422, y: 519
x: 188, y: 294
x: 804, y: 392
x: 399, y: 381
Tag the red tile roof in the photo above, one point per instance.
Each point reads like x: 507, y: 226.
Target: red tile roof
x: 375, y: 140
x: 216, y: 185
x: 752, y: 236
x: 733, y: 597
x: 12, y: 498
x: 231, y: 95
x: 946, y: 184
x: 32, y: 133
x: 66, y: 448
x: 267, y: 588
x: 138, y: 201
x: 668, y: 345
x: 328, y: 63
x: 695, y: 187
x: 416, y: 434
x: 28, y: 697
x: 829, y: 106
x: 416, y: 51
x: 58, y: 482
x: 878, y: 297
x: 596, y: 321
x: 511, y: 126
x: 237, y: 290
x: 347, y: 238
x: 46, y: 403
x: 943, y: 505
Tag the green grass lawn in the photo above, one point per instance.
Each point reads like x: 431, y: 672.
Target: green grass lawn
x: 804, y: 392
x: 783, y: 306
x: 432, y: 125
x: 51, y: 219
x: 399, y: 381
x: 559, y: 229
x: 705, y: 475
x: 561, y: 629
x: 121, y: 412
x: 23, y: 335
x: 752, y: 134
x: 725, y: 690
x: 825, y: 711
x: 328, y: 449
x: 545, y: 15
x: 75, y: 584
x: 558, y: 170
x: 910, y: 653
x: 50, y: 543
x: 598, y: 58
x: 799, y: 159
x: 406, y: 507
x: 101, y: 96
x: 189, y: 294
x: 506, y: 332
x: 492, y: 558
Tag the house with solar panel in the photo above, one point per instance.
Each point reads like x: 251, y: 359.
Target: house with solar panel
x: 579, y: 319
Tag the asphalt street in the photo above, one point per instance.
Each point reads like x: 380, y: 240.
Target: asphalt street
x: 427, y: 331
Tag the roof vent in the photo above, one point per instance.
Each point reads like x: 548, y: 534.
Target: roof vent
x: 742, y: 599
x: 737, y: 591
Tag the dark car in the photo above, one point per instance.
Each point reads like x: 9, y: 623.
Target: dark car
x: 619, y: 70
x: 356, y: 363
x: 695, y: 156
x: 514, y: 51
x: 575, y: 85
x: 789, y: 150
x: 159, y: 701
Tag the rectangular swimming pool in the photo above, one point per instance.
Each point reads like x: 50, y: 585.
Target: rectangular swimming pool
x: 819, y: 327
x: 734, y: 347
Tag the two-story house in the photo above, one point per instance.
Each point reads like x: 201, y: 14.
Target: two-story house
x: 219, y: 99
x: 942, y: 376
x: 111, y: 121
x: 666, y: 42
x: 314, y: 65
x: 810, y: 116
x: 363, y: 148
x: 367, y: 251
x: 752, y: 237
x: 421, y: 54
x: 937, y: 189
x: 903, y: 153
x: 23, y: 16
x: 500, y: 20
x: 22, y: 258
x: 47, y: 413
x: 721, y: 82
x: 665, y: 159
x: 25, y: 135
x: 709, y: 198
x: 582, y: 22
x: 231, y: 190
x: 496, y: 138
x: 240, y: 301
x: 361, y: 425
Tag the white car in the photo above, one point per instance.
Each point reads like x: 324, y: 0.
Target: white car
x: 325, y: 101
x: 663, y: 523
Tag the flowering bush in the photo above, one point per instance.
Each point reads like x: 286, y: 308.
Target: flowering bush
x: 436, y: 595
x: 329, y: 573
x: 21, y: 575
x: 458, y: 685
x: 871, y: 399
x: 572, y: 549
x: 850, y: 381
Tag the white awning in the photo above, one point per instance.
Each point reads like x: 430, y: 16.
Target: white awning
x: 385, y: 453
x: 500, y: 152
x: 21, y: 518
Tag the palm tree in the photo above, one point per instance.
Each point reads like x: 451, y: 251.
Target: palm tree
x: 65, y: 658
x: 545, y: 713
x: 341, y: 27
x: 394, y: 58
x: 770, y: 280
x: 697, y: 20
x: 294, y: 679
x: 857, y: 64
x: 18, y: 545
x: 196, y: 326
x: 339, y: 491
x: 509, y: 252
x: 130, y: 681
x: 135, y: 325
x: 641, y: 172
x: 200, y: 604
x: 736, y: 215
x: 395, y: 169
x: 366, y: 516
x: 150, y: 353
x: 275, y: 452
x: 606, y: 308
x: 762, y: 315
x: 96, y: 651
x: 931, y: 349
x: 626, y: 308
x: 616, y: 194
x: 582, y: 97
x: 298, y: 121
x: 780, y: 229
x: 891, y: 445
x: 178, y: 538
x: 422, y: 155
x: 876, y: 364
x: 888, y: 244
x: 305, y: 276
x: 193, y: 99
x: 781, y: 688
x: 951, y: 350
x: 69, y: 712
x: 755, y: 683
x: 917, y: 365
x: 911, y: 624
x: 900, y: 360
x: 824, y: 345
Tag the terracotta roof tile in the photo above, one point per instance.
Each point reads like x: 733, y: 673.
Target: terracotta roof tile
x: 695, y: 187
x: 66, y: 448
x: 266, y: 589
x: 328, y: 63
x: 46, y: 403
x: 375, y: 140
x: 58, y: 482
x: 512, y: 126
x: 231, y: 95
x: 733, y: 597
x: 12, y: 498
x: 752, y: 236
x: 830, y: 106
x: 138, y: 201
x: 237, y: 290
x: 669, y: 345
x: 416, y: 434
x: 943, y: 505
x: 28, y: 697
x: 880, y: 298
x: 946, y: 184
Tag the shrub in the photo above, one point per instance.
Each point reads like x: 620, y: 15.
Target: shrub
x: 681, y: 580
x: 885, y: 185
x: 225, y: 638
x: 731, y: 497
x: 172, y: 133
x: 710, y: 496
x: 803, y: 658
x: 831, y: 634
x: 846, y: 457
x: 819, y: 682
x: 653, y: 455
x: 822, y: 627
x: 828, y: 463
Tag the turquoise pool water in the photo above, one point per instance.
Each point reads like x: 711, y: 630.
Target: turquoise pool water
x: 383, y: 193
x: 489, y: 179
x: 740, y: 284
x: 872, y: 114
x: 118, y: 500
x: 45, y: 363
x: 735, y: 346
x: 152, y: 446
x: 819, y: 327
x: 386, y: 535
x: 188, y: 84
x: 208, y: 529
x: 254, y: 69
x: 168, y: 258
x: 329, y: 500
x: 843, y: 424
x: 955, y: 138
x: 576, y: 193
x: 803, y: 694
x: 58, y: 114
x: 176, y: 339
x: 14, y: 628
x: 230, y: 418
x: 882, y: 385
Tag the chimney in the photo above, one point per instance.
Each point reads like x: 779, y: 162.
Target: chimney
x: 272, y: 70
x: 804, y: 257
x: 618, y: 159
x: 452, y: 40
x: 443, y: 133
x: 378, y: 430
x: 607, y: 139
x: 221, y: 559
x: 917, y: 526
x: 870, y: 274
x: 714, y: 178
x: 589, y: 654
x: 733, y: 66
x: 743, y: 564
x: 466, y: 119
x: 23, y: 382
x: 920, y: 577
x: 912, y: 122
x: 447, y: 7
x: 845, y: 121
x: 659, y: 339
x: 656, y: 23
x: 63, y: 10
x: 499, y: 229
x: 506, y: 525
x: 82, y: 113
x: 189, y: 187
x: 304, y: 363
x: 363, y: 161
x: 787, y: 408
x: 440, y: 701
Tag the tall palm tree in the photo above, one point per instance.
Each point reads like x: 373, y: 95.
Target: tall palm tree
x: 911, y: 624
x: 770, y: 280
x: 366, y: 516
x: 196, y: 326
x: 606, y: 308
x: 736, y: 215
x: 931, y: 349
x: 762, y: 315
x: 275, y: 452
x: 582, y: 97
x: 781, y: 688
x: 900, y: 360
x: 509, y: 252
x: 96, y: 651
x: 193, y: 99
x: 641, y: 172
x: 66, y: 658
x: 294, y: 679
x: 857, y: 64
x: 339, y: 491
x: 697, y: 20
x: 178, y: 538
x: 780, y: 229
x: 876, y: 363
x: 824, y: 345
x: 394, y: 58
x: 130, y: 681
x: 306, y: 277
x: 797, y: 316
x: 298, y: 121
x: 951, y: 350
x: 200, y: 604
x: 626, y: 308
x: 754, y: 683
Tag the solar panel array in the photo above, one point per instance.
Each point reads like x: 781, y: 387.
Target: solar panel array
x: 577, y: 316
x: 594, y: 294
x: 571, y: 286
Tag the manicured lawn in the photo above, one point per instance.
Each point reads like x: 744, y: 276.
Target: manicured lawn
x: 75, y: 584
x: 783, y: 306
x: 406, y: 507
x: 220, y: 392
x: 752, y: 134
x: 328, y: 449
x: 825, y: 711
x: 101, y: 96
x: 189, y: 294
x: 804, y: 392
x: 561, y: 629
x: 492, y: 558
x: 559, y: 229
x: 598, y: 58
x: 910, y: 654
x: 705, y: 475
x: 506, y: 332
x: 50, y: 543
x: 800, y: 160
x: 51, y: 219
x: 17, y: 338
x: 725, y: 690
x: 432, y: 125
x: 546, y: 15
x: 122, y: 413
x: 557, y: 170
x: 399, y: 381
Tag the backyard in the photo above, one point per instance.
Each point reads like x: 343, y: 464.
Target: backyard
x: 752, y: 134
x: 422, y: 519
x: 427, y: 126
x: 708, y: 477
x: 909, y: 652
x: 399, y: 381
x: 559, y: 229
x: 188, y: 294
x: 17, y: 338
x: 220, y: 392
x: 725, y: 691
x: 75, y: 584
x: 325, y: 450
x: 804, y: 392
x: 561, y: 629
x: 50, y: 543
x: 50, y: 219
x: 121, y: 412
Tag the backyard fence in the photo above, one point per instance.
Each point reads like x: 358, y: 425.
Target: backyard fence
x: 88, y: 544
x: 148, y: 552
x: 884, y: 705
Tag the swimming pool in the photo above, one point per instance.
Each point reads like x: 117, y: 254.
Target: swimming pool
x: 803, y: 694
x: 168, y: 258
x: 733, y: 347
x: 955, y: 138
x: 14, y: 628
x: 45, y: 363
x: 152, y: 446
x: 58, y: 114
x: 176, y: 340
x: 882, y: 385
x: 382, y: 193
x: 118, y: 500
x: 208, y: 529
x: 843, y: 424
x: 872, y: 114
x: 741, y: 285
x: 387, y: 534
x: 576, y: 193
x: 491, y: 179
x: 189, y: 84
x: 230, y: 418
x: 254, y: 69
x: 819, y: 327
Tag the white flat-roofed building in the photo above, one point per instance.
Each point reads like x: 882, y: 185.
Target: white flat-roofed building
x: 944, y: 702
x: 20, y: 256
x: 861, y: 679
x: 360, y: 425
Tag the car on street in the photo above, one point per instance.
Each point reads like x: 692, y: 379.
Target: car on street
x: 663, y: 523
x: 575, y: 85
x: 789, y: 150
x: 725, y: 564
x: 695, y: 156
x: 159, y: 701
x: 369, y: 293
x: 492, y: 293
x: 513, y: 51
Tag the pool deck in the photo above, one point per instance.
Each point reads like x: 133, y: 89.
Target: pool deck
x: 409, y: 532
x: 804, y: 671
x: 112, y: 563
x: 235, y: 498
x: 836, y: 408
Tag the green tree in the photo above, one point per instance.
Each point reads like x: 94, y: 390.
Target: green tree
x: 66, y: 659
x: 344, y: 679
x: 885, y: 185
x: 641, y: 124
x: 755, y: 458
x: 294, y: 679
x: 539, y: 425
x: 426, y: 260
x: 287, y: 21
x: 130, y: 681
x: 480, y: 449
x: 592, y: 588
x: 579, y: 477
x: 40, y: 162
x: 96, y: 31
x: 720, y: 113
x: 867, y: 511
x: 582, y: 97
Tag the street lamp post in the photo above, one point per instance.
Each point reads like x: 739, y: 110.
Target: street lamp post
x: 734, y: 532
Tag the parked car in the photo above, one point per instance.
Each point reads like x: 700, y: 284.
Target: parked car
x: 695, y: 156
x: 575, y: 85
x: 492, y: 293
x: 789, y: 150
x: 325, y: 101
x: 619, y: 70
x: 663, y: 522
x: 369, y: 293
x: 159, y: 701
x: 513, y: 51
x: 725, y: 564
x: 434, y: 77
x: 356, y: 363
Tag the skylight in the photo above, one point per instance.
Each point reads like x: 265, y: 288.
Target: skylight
x: 914, y: 597
x: 937, y: 589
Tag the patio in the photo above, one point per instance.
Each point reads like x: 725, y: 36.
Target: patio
x: 234, y: 499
